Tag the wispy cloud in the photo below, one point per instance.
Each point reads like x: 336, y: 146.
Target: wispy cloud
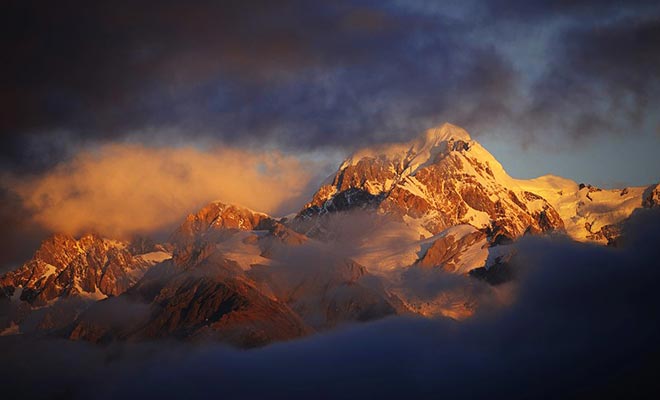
x: 120, y: 190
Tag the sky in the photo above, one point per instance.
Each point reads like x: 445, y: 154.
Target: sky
x: 560, y: 80
x: 183, y: 103
x: 123, y: 116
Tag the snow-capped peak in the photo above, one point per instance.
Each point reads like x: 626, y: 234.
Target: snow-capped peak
x: 444, y: 178
x: 445, y: 132
x: 419, y: 151
x: 441, y: 179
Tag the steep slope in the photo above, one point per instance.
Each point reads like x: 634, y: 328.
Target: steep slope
x: 242, y: 235
x: 203, y: 291
x: 90, y: 267
x: 328, y: 291
x: 66, y: 275
x: 652, y: 196
x: 212, y: 300
x: 240, y: 277
x: 323, y: 288
x: 440, y: 180
x: 458, y: 250
x: 444, y: 179
x: 590, y: 213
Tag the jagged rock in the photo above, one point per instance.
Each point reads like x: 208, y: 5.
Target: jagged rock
x: 444, y: 179
x: 218, y: 222
x: 652, y: 196
x: 496, y: 274
x: 207, y: 297
x: 66, y: 275
x: 216, y: 217
x: 242, y: 277
x: 91, y: 267
x: 212, y: 301
x: 441, y: 180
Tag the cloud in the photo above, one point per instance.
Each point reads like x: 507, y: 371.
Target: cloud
x: 608, y: 68
x: 337, y: 75
x: 120, y: 190
x: 340, y: 75
x: 18, y: 237
x: 583, y: 324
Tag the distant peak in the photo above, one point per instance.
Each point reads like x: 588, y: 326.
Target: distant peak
x: 445, y: 132
x: 221, y: 205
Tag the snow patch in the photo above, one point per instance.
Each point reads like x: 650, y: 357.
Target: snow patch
x: 244, y: 252
x: 96, y: 295
x: 155, y: 257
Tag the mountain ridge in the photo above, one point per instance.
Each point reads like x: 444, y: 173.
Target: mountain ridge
x: 440, y: 203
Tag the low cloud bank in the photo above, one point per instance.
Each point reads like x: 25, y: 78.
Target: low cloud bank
x: 584, y: 323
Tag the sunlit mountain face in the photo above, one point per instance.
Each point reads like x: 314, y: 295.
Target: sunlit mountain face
x: 351, y: 199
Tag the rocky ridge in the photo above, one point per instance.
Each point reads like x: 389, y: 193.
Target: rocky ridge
x: 440, y: 180
x: 442, y: 205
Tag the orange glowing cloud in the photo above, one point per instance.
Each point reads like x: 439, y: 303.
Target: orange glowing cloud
x: 120, y: 190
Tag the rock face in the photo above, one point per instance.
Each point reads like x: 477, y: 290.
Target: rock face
x: 652, y: 196
x: 439, y: 211
x: 218, y: 217
x: 448, y: 251
x: 441, y: 180
x: 89, y: 267
x: 66, y: 275
x: 237, y: 276
x: 213, y: 300
x: 444, y: 179
x: 218, y: 222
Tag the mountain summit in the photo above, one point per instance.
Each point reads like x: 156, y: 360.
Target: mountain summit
x: 444, y: 132
x: 438, y: 204
x: 439, y: 180
x: 444, y: 178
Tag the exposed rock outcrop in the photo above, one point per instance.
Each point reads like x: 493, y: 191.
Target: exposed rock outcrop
x: 441, y: 180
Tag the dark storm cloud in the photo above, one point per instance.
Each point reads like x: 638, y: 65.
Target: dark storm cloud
x: 293, y: 73
x: 584, y: 324
x: 599, y: 65
x: 301, y: 75
x: 19, y: 237
x: 541, y: 9
x: 610, y: 70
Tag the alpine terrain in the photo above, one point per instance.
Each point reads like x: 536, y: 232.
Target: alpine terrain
x: 426, y: 227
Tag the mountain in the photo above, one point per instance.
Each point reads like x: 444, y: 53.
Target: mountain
x: 241, y: 277
x: 440, y: 180
x: 402, y: 228
x: 445, y: 178
x: 211, y: 300
x: 450, y: 205
x: 591, y: 214
x: 90, y: 267
x: 86, y: 269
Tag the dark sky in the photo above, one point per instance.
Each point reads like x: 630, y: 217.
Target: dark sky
x: 545, y: 76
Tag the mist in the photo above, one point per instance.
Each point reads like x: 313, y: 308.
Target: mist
x: 122, y: 190
x: 582, y: 324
